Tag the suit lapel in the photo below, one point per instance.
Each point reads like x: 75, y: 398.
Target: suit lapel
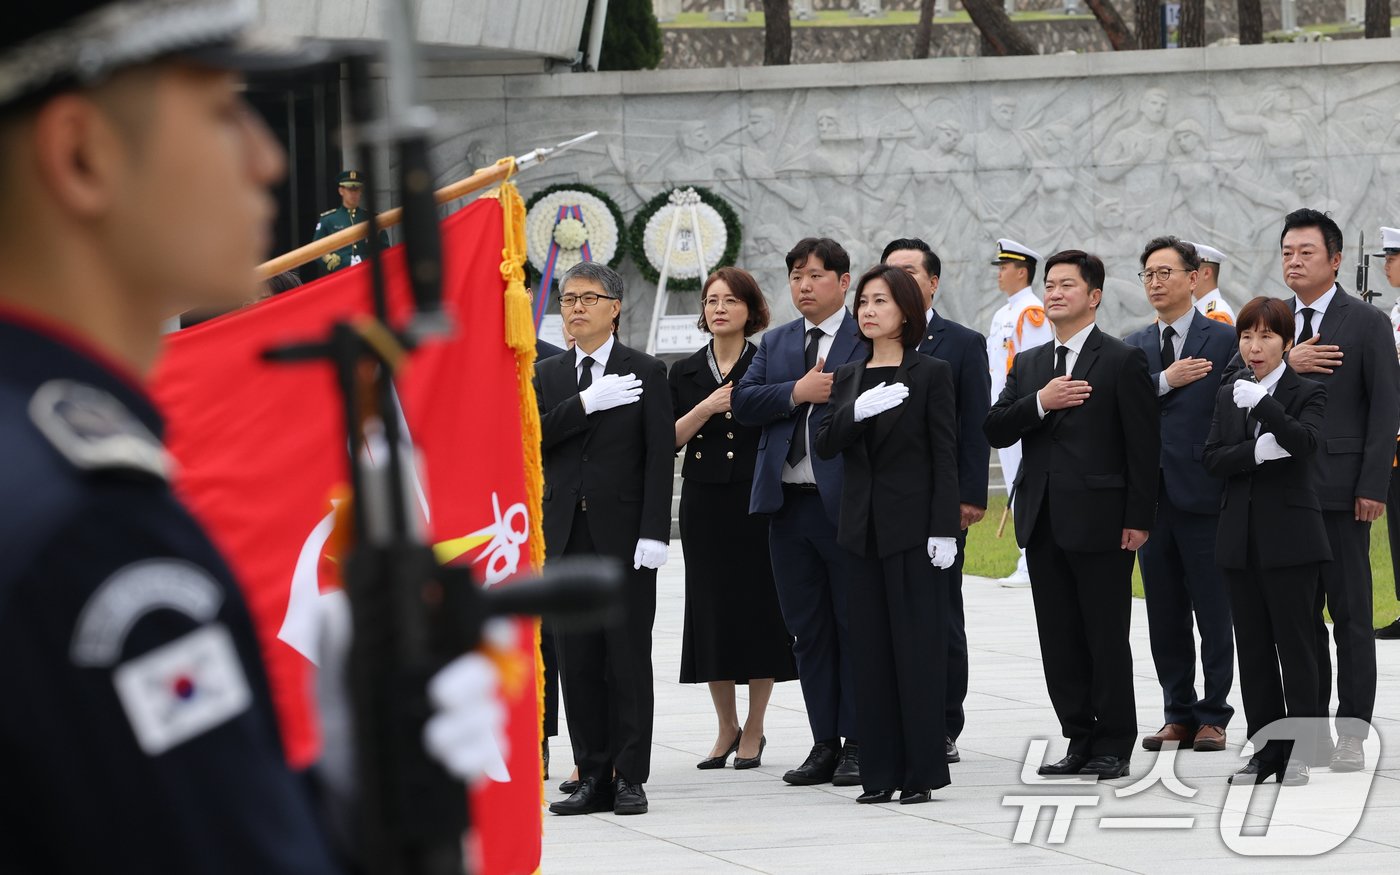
x: 885, y: 423
x: 619, y: 360
x: 843, y: 345
x: 933, y: 335
x: 1088, y: 354
x: 1195, y: 335
x: 1336, y: 314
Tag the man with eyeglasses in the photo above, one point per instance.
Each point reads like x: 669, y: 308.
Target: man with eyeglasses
x: 1187, y: 354
x: 608, y: 441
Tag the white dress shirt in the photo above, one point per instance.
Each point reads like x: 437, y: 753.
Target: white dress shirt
x: 1180, y: 326
x: 1075, y: 344
x: 599, y: 356
x: 1319, y: 307
x: 802, y: 472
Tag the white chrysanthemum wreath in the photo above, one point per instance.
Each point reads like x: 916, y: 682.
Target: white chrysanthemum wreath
x: 567, y: 225
x: 687, y: 241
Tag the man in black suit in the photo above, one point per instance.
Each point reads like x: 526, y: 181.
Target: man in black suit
x: 1187, y: 355
x: 1346, y: 345
x: 608, y: 441
x: 966, y: 351
x: 1085, y: 412
x: 785, y: 391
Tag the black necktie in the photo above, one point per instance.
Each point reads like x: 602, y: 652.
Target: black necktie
x: 1168, y: 348
x: 797, y: 450
x: 1061, y: 356
x: 585, y: 376
x: 1307, y: 332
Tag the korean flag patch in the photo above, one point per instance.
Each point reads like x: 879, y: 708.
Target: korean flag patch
x: 182, y: 689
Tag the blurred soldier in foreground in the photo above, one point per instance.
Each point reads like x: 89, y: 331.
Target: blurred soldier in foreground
x: 136, y: 710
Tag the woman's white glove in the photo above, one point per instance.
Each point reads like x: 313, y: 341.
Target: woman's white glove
x: 1266, y: 449
x: 609, y: 391
x: 873, y: 402
x: 942, y: 552
x: 649, y: 554
x: 1247, y: 394
x: 465, y: 731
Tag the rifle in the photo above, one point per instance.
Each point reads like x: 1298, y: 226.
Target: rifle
x: 1363, y: 272
x: 411, y: 616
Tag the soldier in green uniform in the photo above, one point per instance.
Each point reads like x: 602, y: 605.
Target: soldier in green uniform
x: 351, y: 184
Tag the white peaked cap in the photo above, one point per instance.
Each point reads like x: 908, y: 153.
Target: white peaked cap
x: 1209, y: 253
x: 1390, y: 240
x: 1010, y: 250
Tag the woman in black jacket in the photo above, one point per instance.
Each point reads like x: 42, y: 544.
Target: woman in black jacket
x: 893, y: 419
x: 1271, y: 537
x: 734, y: 629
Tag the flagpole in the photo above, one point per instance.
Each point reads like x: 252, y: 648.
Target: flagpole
x: 483, y: 178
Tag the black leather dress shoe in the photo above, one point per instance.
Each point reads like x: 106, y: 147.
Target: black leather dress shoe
x: 1295, y: 774
x: 1256, y: 772
x: 587, y: 799
x: 847, y: 772
x: 875, y: 797
x: 950, y: 751
x: 751, y: 762
x: 1070, y: 765
x: 817, y: 769
x: 1348, y: 755
x: 629, y: 798
x: 569, y: 786
x: 914, y: 797
x: 1106, y: 767
x: 1390, y: 631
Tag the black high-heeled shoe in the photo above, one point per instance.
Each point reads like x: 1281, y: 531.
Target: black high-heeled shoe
x: 875, y: 797
x: 1257, y: 772
x: 722, y: 760
x: 750, y: 762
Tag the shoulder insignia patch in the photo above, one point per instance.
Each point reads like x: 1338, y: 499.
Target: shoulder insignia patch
x: 1220, y: 316
x: 328, y: 212
x: 94, y: 431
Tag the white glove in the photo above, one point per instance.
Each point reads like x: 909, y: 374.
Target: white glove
x: 1247, y: 394
x: 468, y: 717
x: 873, y: 402
x: 1266, y: 448
x: 942, y: 552
x: 609, y: 391
x: 649, y: 553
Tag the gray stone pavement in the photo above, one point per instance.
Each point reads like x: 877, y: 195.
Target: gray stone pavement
x: 750, y: 821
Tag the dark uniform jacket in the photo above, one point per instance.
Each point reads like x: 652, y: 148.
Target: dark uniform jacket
x: 722, y: 451
x: 620, y: 461
x: 1098, y: 462
x: 1276, y: 500
x: 339, y: 219
x: 965, y: 351
x: 137, y: 725
x: 908, y: 492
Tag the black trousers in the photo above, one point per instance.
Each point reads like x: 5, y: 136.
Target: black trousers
x: 1276, y: 643
x: 1392, y: 523
x: 1346, y: 592
x: 954, y: 716
x: 1083, y: 610
x: 549, y: 659
x: 899, y: 608
x: 813, y: 573
x: 1182, y: 581
x: 607, y: 679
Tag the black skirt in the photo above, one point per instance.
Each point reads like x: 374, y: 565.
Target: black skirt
x: 734, y: 628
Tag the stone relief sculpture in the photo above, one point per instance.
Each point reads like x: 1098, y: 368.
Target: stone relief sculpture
x: 1102, y: 164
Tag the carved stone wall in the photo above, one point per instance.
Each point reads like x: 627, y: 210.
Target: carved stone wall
x: 1100, y: 152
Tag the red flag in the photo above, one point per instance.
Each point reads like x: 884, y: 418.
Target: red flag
x: 260, y: 451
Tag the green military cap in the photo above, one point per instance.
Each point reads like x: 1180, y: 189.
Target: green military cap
x: 351, y: 179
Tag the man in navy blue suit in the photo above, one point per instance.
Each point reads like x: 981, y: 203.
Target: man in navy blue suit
x: 785, y: 391
x: 966, y: 351
x: 1187, y: 355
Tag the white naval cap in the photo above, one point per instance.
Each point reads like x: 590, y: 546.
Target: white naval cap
x: 1209, y: 253
x: 1390, y: 241
x: 1010, y: 250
